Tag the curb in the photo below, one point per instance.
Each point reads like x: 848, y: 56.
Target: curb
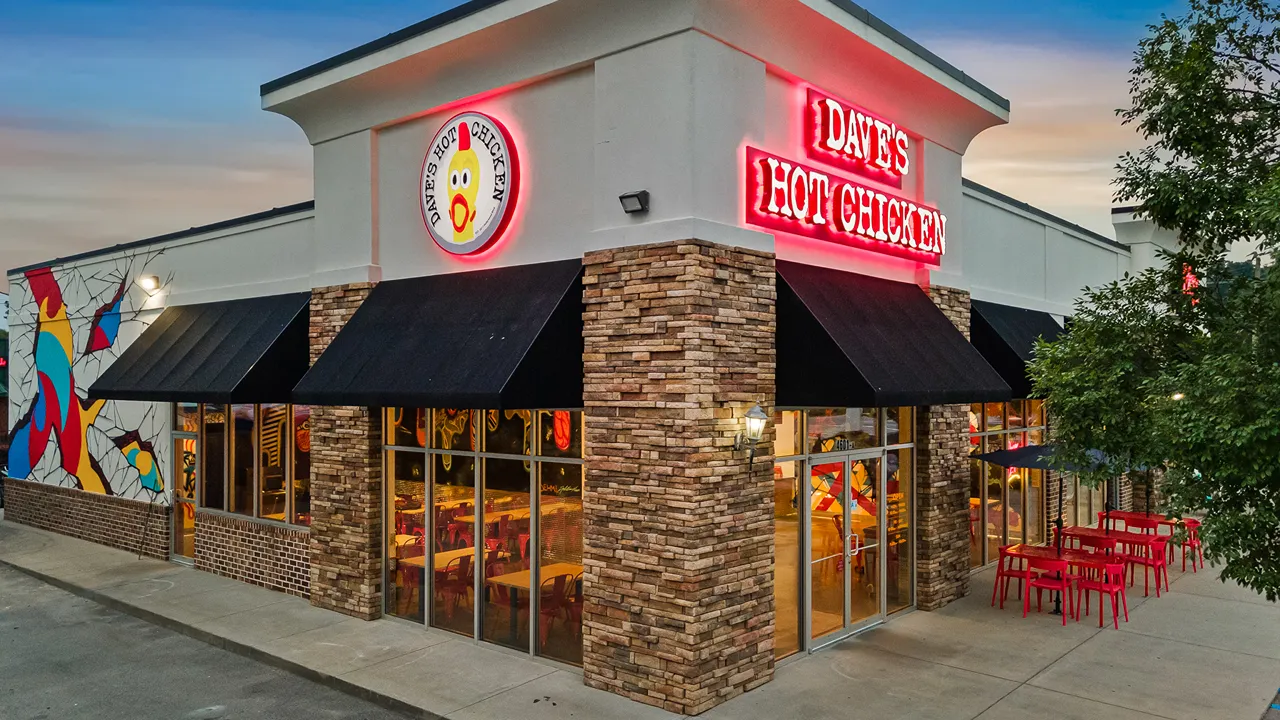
x: 256, y: 654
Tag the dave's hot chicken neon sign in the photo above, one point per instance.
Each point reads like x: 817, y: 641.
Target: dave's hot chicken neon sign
x: 805, y: 200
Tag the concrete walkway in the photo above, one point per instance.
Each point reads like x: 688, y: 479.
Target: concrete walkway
x: 1205, y: 650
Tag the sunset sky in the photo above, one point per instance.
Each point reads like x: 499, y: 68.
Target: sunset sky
x: 130, y: 118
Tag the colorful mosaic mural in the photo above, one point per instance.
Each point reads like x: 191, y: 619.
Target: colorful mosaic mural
x: 67, y: 327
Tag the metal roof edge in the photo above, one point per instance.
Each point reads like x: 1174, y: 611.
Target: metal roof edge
x: 1042, y: 214
x: 474, y: 6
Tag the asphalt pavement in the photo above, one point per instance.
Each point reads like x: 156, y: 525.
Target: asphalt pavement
x: 63, y: 657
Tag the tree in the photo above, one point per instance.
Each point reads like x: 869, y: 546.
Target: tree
x: 1183, y: 376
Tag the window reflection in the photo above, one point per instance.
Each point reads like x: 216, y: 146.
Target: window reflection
x: 241, y: 476
x: 302, y: 464
x: 786, y: 541
x: 1009, y: 502
x: 213, y: 494
x: 839, y: 429
x: 274, y: 449
x: 493, y: 543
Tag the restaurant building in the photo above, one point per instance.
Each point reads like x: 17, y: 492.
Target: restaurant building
x: 558, y: 253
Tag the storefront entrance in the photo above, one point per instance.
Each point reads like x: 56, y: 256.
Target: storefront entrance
x: 846, y: 524
x: 843, y: 523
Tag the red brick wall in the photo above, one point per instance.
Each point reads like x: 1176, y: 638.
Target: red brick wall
x: 272, y: 556
x: 678, y: 533
x: 130, y: 525
x: 346, y: 480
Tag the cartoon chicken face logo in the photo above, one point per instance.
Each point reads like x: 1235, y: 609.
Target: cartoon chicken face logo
x: 470, y: 180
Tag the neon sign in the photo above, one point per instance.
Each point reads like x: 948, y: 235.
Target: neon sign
x: 800, y: 199
x: 792, y: 197
x: 853, y: 139
x: 470, y: 181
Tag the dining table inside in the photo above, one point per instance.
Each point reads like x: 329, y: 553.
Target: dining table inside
x: 520, y: 580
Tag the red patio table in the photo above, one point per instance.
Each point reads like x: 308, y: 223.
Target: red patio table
x: 1127, y: 515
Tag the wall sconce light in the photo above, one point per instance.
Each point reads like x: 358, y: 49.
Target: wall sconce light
x: 635, y: 202
x: 756, y: 419
x: 149, y: 284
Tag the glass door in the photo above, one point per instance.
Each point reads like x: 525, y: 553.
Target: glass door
x: 846, y: 527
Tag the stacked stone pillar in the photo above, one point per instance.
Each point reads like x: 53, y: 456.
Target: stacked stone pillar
x: 678, y: 586
x: 346, y: 480
x: 942, y: 485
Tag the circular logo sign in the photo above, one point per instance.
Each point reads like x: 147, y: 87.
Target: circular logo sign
x: 470, y: 179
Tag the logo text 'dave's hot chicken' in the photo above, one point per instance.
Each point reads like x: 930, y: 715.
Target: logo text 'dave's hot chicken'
x: 470, y: 180
x: 791, y: 197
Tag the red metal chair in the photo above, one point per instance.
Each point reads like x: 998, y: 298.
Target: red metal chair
x: 1147, y: 526
x: 1053, y: 577
x: 1152, y: 559
x: 1111, y: 584
x: 1192, y: 543
x: 458, y: 583
x: 1008, y: 568
x: 554, y: 603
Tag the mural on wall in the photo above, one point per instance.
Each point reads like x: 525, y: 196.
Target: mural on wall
x: 67, y: 329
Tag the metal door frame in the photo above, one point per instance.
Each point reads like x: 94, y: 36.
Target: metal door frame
x: 811, y: 644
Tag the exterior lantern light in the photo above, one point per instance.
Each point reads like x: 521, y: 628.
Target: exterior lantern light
x: 1177, y: 396
x: 756, y: 418
x: 635, y: 202
x: 149, y: 283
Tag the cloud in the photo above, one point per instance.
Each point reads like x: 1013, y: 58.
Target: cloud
x: 1060, y: 148
x: 68, y: 187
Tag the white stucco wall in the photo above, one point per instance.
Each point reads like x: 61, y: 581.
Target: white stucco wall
x: 1025, y: 259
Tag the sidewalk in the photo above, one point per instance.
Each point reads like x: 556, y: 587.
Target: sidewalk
x: 1205, y: 650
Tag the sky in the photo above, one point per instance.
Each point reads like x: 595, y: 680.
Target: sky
x: 124, y: 119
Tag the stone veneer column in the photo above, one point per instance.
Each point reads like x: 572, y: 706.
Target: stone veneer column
x: 942, y: 484
x: 346, y: 480
x: 678, y: 533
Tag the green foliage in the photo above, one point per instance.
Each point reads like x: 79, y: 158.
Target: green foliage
x: 1186, y: 380
x: 1206, y: 98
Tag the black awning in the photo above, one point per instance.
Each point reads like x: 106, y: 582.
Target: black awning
x: 500, y: 338
x: 251, y: 350
x: 847, y: 340
x: 1006, y: 337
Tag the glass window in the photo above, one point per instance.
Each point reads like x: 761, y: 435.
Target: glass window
x: 507, y: 515
x: 827, y: 553
x: 302, y: 464
x: 240, y: 492
x: 453, y: 488
x: 898, y: 551
x: 995, y: 416
x: 994, y: 511
x: 898, y: 425
x: 561, y: 433
x: 1034, y: 519
x: 975, y: 504
x: 508, y: 432
x: 560, y: 562
x: 213, y: 493
x: 453, y: 429
x: 274, y: 448
x: 1035, y: 413
x: 184, y: 492
x: 407, y: 427
x: 1013, y: 414
x: 975, y: 418
x: 839, y: 429
x: 186, y: 417
x: 406, y: 533
x: 786, y: 568
x: 789, y: 425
